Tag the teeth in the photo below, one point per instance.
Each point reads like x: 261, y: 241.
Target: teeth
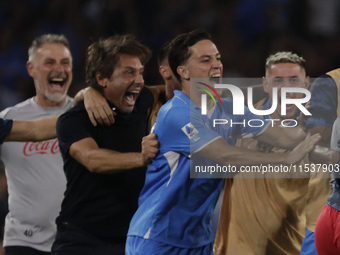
x: 57, y: 79
x: 216, y: 76
x: 134, y: 91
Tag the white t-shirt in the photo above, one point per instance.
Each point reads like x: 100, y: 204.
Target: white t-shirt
x: 36, y: 181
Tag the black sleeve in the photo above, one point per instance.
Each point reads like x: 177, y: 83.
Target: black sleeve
x: 73, y: 126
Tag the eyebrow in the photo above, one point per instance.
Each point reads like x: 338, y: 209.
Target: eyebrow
x: 208, y: 56
x: 53, y: 59
x: 48, y: 59
x: 294, y: 76
x: 130, y: 68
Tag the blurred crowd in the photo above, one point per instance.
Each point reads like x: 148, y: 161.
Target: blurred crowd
x: 245, y: 31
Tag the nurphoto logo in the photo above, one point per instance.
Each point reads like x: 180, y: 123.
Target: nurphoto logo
x: 238, y: 103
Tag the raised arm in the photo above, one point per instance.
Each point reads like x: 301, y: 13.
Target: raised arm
x: 104, y: 161
x: 96, y: 106
x: 221, y: 152
x: 34, y: 130
x: 285, y: 138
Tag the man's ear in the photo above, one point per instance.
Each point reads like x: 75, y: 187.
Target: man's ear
x: 183, y: 72
x: 165, y: 72
x: 101, y: 81
x: 30, y: 68
x: 265, y: 84
x: 307, y: 82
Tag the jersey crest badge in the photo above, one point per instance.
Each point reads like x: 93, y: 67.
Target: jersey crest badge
x: 190, y: 130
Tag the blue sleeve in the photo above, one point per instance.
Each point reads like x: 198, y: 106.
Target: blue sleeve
x: 205, y: 135
x: 324, y: 102
x: 308, y: 244
x: 5, y: 128
x: 182, y: 130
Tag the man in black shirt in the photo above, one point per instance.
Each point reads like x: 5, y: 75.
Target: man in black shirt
x: 105, y: 165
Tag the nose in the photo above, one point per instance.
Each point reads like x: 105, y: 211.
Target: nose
x: 286, y: 83
x: 59, y: 68
x: 139, y: 79
x: 217, y: 63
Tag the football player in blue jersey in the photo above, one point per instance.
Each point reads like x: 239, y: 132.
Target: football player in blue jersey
x: 174, y: 214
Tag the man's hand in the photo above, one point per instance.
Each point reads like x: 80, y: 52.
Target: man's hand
x: 298, y: 153
x: 98, y: 108
x: 150, y: 147
x: 302, y: 118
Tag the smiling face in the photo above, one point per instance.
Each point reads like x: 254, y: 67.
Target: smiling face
x: 285, y: 75
x: 125, y: 83
x: 204, y: 62
x: 51, y: 69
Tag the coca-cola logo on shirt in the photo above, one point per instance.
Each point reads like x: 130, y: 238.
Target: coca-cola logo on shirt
x: 44, y: 147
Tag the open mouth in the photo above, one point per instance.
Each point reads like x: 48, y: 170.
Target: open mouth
x: 215, y: 78
x: 131, y: 97
x: 57, y: 83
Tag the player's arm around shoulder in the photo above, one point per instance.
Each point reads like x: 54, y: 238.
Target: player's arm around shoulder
x: 96, y: 106
x: 35, y: 130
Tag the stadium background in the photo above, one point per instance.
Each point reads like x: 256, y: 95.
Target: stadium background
x: 245, y: 31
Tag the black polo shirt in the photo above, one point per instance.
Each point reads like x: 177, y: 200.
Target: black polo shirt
x: 102, y: 204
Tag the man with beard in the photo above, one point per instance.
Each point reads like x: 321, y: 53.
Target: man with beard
x: 35, y: 180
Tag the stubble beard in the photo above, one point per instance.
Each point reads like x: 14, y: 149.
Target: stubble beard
x: 55, y: 97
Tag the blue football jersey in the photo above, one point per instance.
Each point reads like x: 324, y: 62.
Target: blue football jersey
x: 174, y: 208
x: 324, y: 102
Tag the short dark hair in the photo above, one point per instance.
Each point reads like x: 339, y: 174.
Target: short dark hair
x: 104, y: 55
x: 179, y: 48
x: 163, y: 53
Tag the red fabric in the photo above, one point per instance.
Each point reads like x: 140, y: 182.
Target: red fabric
x: 327, y: 232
